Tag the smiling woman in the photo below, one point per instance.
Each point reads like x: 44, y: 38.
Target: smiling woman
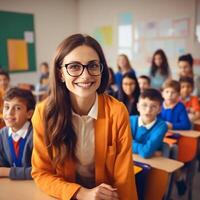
x: 82, y: 138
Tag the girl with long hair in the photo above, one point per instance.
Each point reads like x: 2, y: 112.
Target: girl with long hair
x: 129, y: 92
x: 123, y: 66
x: 159, y: 70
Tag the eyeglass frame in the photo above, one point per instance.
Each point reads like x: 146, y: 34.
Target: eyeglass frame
x: 83, y: 68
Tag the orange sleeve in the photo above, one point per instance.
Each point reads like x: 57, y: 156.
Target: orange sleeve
x: 42, y: 171
x: 195, y: 104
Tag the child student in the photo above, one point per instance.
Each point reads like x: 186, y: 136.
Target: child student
x: 124, y: 66
x: 185, y: 64
x: 129, y: 92
x: 147, y: 130
x: 4, y: 85
x: 159, y: 70
x: 191, y: 102
x: 144, y: 82
x: 16, y: 138
x: 173, y: 111
x: 82, y: 137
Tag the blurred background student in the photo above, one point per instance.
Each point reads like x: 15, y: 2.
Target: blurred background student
x: 159, y: 70
x: 4, y: 86
x: 43, y: 84
x: 129, y: 92
x: 144, y: 82
x: 123, y: 66
x: 190, y: 101
x: 111, y: 87
x: 185, y: 65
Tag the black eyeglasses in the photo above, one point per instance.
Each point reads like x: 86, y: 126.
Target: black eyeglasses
x: 76, y: 69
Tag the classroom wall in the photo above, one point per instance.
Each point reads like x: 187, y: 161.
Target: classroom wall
x: 94, y: 14
x: 54, y: 20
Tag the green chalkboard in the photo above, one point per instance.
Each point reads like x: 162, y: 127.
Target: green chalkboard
x: 13, y: 25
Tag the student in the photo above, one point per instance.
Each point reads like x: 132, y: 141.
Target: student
x: 185, y: 64
x: 124, y: 66
x: 159, y: 70
x: 44, y: 77
x: 111, y: 87
x: 82, y: 137
x: 191, y: 102
x: 16, y: 138
x: 129, y: 92
x: 148, y: 131
x: 173, y: 111
x: 144, y: 82
x: 4, y: 86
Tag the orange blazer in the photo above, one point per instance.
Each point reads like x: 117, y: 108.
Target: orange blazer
x: 113, y: 154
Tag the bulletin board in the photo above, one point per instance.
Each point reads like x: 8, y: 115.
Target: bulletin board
x: 17, y: 43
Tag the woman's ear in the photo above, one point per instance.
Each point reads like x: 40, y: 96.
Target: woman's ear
x: 61, y: 76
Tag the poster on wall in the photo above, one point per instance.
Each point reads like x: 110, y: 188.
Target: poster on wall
x: 104, y: 35
x: 181, y: 27
x: 17, y: 42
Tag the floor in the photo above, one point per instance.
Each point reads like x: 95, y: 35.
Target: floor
x: 195, y: 191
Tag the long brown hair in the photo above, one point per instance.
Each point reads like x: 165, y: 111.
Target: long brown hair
x: 60, y: 133
x: 128, y: 64
x: 164, y: 69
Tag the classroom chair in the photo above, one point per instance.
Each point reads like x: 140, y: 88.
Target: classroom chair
x: 141, y: 179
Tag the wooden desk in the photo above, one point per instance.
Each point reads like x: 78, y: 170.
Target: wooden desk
x: 21, y: 190
x: 158, y: 177
x: 165, y: 164
x: 187, y: 133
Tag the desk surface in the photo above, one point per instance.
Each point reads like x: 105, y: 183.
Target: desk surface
x: 159, y: 162
x: 21, y: 190
x: 187, y: 133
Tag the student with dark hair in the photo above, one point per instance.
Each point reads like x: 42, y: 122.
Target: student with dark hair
x: 129, y: 92
x: 159, y: 70
x: 16, y: 138
x: 4, y: 86
x: 43, y: 84
x: 144, y: 82
x: 111, y: 87
x: 185, y: 64
x: 191, y: 102
x: 82, y: 138
x: 123, y: 66
x: 147, y: 130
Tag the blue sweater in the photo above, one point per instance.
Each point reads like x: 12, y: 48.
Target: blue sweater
x: 23, y: 172
x: 177, y: 116
x: 147, y: 141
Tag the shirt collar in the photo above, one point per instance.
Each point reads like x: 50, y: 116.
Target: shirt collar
x: 93, y: 113
x: 147, y: 126
x: 21, y: 133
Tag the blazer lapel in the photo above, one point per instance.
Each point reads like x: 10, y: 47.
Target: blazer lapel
x: 101, y: 127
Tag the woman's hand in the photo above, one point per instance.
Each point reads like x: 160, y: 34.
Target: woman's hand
x: 101, y: 192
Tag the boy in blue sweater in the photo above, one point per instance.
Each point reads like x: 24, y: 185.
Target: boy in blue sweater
x: 16, y: 138
x: 173, y: 111
x: 147, y: 130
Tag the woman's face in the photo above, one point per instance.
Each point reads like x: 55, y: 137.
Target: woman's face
x: 158, y: 60
x: 84, y: 85
x: 184, y: 68
x: 128, y: 86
